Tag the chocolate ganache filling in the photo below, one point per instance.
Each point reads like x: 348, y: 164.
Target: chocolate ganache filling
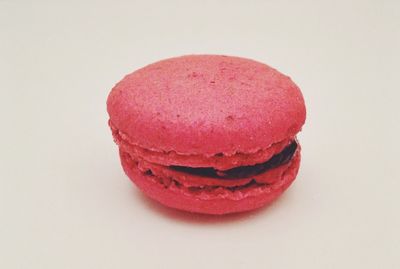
x: 243, y: 171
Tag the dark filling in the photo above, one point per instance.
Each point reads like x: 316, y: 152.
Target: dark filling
x: 243, y: 171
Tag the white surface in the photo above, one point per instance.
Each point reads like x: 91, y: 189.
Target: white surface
x: 64, y: 200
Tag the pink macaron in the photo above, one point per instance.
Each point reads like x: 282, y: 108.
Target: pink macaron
x: 208, y: 133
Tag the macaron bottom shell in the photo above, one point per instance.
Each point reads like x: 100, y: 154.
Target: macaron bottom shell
x: 216, y: 200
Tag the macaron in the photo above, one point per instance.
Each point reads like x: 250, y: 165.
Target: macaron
x: 209, y: 134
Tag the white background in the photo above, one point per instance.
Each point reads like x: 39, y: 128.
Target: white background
x: 65, y: 201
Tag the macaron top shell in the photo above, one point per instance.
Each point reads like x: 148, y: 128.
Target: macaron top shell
x: 206, y: 104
